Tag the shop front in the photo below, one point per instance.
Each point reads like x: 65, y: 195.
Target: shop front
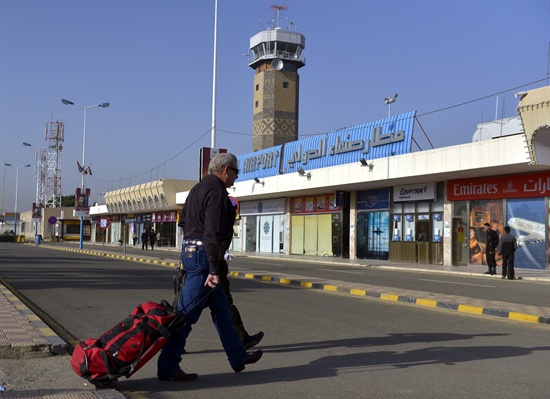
x: 263, y: 223
x: 318, y: 225
x: 372, y: 233
x: 165, y: 227
x: 417, y: 225
x: 519, y: 201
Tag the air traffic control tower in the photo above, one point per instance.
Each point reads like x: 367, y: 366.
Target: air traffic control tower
x: 276, y: 55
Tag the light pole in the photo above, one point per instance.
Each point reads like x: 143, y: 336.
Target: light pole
x: 4, y: 186
x: 83, y: 166
x: 16, y: 187
x: 389, y: 101
x: 40, y: 170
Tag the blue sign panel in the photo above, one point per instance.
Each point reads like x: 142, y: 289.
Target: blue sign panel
x: 260, y: 164
x: 373, y: 199
x: 378, y: 139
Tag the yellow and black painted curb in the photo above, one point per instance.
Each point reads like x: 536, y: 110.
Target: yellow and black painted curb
x: 123, y: 257
x: 446, y: 305
x: 406, y: 299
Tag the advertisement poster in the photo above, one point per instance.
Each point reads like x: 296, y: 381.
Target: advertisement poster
x: 206, y: 154
x: 315, y: 204
x: 82, y: 203
x: 482, y: 212
x: 36, y: 212
x: 526, y: 218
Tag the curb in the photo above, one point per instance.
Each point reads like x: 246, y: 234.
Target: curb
x: 398, y: 268
x: 111, y: 255
x: 407, y: 299
x: 56, y: 345
x: 454, y: 305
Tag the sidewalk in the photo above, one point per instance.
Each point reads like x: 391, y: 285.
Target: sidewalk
x: 24, y: 336
x: 34, y: 361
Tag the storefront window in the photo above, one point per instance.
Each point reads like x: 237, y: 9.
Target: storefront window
x: 437, y: 227
x: 397, y: 228
x: 409, y: 227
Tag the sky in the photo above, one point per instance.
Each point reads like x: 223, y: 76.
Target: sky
x: 457, y: 63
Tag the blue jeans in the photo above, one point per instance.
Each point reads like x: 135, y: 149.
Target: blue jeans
x: 196, y: 264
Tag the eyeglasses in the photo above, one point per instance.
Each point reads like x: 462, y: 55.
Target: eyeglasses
x: 234, y: 170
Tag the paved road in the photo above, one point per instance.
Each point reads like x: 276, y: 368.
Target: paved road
x: 318, y: 345
x: 449, y: 284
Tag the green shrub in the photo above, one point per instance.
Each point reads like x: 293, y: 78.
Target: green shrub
x: 7, y: 237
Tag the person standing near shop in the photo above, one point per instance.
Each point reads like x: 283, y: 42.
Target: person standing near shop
x: 144, y: 240
x: 491, y: 244
x: 206, y: 217
x: 152, y: 239
x: 507, y: 247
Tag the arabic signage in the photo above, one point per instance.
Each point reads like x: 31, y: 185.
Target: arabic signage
x: 378, y: 139
x: 414, y: 192
x: 497, y: 187
x: 315, y: 204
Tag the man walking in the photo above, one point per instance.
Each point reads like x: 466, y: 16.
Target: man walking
x: 491, y: 244
x: 507, y: 247
x: 206, y: 216
x: 248, y: 340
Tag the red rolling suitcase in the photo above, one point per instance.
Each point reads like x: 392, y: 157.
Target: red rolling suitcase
x: 126, y: 347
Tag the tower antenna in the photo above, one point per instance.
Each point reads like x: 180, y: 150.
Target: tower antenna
x: 278, y: 9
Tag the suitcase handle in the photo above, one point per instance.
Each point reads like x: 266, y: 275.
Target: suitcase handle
x: 200, y: 298
x: 180, y: 319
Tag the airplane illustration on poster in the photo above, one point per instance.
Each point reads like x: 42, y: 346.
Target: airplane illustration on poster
x: 534, y: 231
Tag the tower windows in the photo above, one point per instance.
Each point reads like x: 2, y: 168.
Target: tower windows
x: 285, y: 85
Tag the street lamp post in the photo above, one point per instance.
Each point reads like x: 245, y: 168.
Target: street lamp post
x: 4, y: 187
x: 16, y: 187
x: 83, y: 166
x: 389, y: 101
x: 39, y: 169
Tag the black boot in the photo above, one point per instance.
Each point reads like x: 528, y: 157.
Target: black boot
x: 238, y: 322
x: 253, y: 340
x: 248, y: 341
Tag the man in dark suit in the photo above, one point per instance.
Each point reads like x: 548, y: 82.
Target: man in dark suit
x: 491, y: 244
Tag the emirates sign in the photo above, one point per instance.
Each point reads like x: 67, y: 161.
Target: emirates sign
x: 497, y: 187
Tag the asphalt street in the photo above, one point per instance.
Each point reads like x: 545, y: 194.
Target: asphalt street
x: 319, y: 344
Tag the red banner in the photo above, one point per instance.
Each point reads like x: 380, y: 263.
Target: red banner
x: 498, y: 187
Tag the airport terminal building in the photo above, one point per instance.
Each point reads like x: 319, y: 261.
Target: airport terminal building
x: 361, y: 193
